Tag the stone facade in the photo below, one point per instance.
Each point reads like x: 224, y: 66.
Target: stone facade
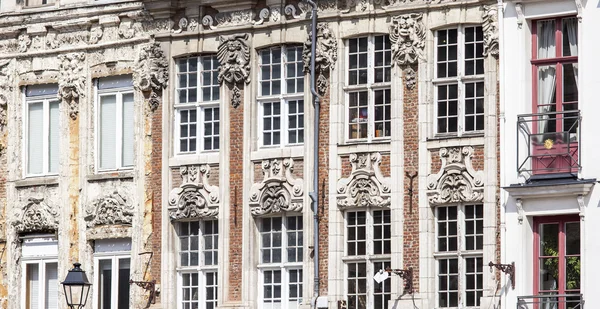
x: 407, y: 171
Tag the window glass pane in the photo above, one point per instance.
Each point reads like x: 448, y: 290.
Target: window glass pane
x: 296, y: 121
x: 382, y: 228
x: 54, y: 137
x: 108, y: 132
x: 356, y: 231
x: 382, y: 291
x: 447, y: 108
x: 295, y: 288
x: 546, y: 39
x: 51, y: 286
x: 474, y: 281
x: 123, y: 284
x: 357, y: 285
x: 33, y: 286
x: 294, y: 239
x: 448, y: 283
x: 569, y: 33
x: 211, y: 290
x: 35, y: 127
x: 447, y: 53
x: 211, y: 128
x: 383, y: 114
x: 358, y: 114
x: 271, y: 123
x: 104, y: 284
x: 128, y: 131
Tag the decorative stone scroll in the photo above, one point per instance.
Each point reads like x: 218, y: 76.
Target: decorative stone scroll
x: 194, y: 198
x: 326, y: 55
x: 456, y: 180
x: 366, y: 186
x: 71, y: 81
x: 151, y: 73
x: 6, y: 87
x: 234, y: 56
x: 407, y: 35
x: 490, y: 31
x: 110, y: 209
x: 279, y: 191
x: 36, y: 216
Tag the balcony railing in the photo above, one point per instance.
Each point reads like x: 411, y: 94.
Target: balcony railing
x: 564, y: 301
x: 548, y: 143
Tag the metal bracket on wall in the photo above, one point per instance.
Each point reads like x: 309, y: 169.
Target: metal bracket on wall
x: 407, y: 275
x: 148, y: 286
x: 508, y: 269
x: 411, y: 176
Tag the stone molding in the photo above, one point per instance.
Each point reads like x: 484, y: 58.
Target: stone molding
x: 279, y: 191
x: 234, y: 56
x: 456, y: 181
x: 407, y: 35
x: 36, y: 216
x: 71, y: 81
x: 6, y: 87
x: 111, y: 209
x: 366, y: 186
x: 490, y: 31
x: 229, y: 19
x: 194, y: 198
x: 151, y: 73
x: 326, y: 55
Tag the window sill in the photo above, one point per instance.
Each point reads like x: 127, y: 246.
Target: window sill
x: 196, y: 158
x: 364, y: 146
x: 110, y: 176
x: 292, y: 151
x: 455, y: 141
x: 37, y: 181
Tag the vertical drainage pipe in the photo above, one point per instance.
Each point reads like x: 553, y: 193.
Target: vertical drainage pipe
x: 314, y: 195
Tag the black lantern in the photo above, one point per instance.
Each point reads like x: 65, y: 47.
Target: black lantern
x: 77, y: 287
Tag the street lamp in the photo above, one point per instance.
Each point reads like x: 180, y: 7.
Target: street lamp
x: 77, y: 287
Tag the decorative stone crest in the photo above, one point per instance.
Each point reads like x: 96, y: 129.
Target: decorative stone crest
x: 71, y: 81
x: 456, y: 180
x: 407, y: 35
x: 151, y: 73
x: 366, y: 186
x: 490, y: 31
x: 234, y: 57
x: 326, y: 55
x: 279, y: 191
x: 410, y: 78
x: 110, y: 209
x: 194, y: 198
x: 36, y: 216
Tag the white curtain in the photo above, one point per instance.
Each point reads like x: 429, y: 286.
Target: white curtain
x: 571, y: 25
x: 546, y: 74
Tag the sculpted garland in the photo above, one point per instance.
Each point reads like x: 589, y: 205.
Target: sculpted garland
x: 195, y: 197
x: 279, y: 191
x: 366, y: 186
x: 457, y: 180
x: 234, y: 57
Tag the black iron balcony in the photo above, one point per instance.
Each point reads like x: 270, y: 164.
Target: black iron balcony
x: 564, y: 301
x: 548, y: 143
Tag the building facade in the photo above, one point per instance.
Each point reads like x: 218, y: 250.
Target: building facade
x: 549, y: 198
x: 205, y: 174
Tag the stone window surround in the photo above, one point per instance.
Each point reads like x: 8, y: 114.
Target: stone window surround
x: 41, y: 260
x: 115, y: 251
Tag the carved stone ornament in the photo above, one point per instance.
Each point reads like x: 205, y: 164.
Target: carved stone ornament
x: 279, y: 191
x: 234, y: 56
x: 229, y: 19
x: 194, y: 198
x: 326, y: 55
x: 71, y: 81
x: 36, y: 216
x: 490, y: 31
x: 6, y: 87
x: 407, y: 35
x: 456, y: 180
x: 366, y: 186
x: 410, y: 78
x: 151, y: 73
x: 110, y: 209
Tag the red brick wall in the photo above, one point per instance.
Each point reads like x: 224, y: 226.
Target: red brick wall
x: 324, y: 202
x: 411, y: 162
x: 385, y: 166
x: 477, y: 160
x: 236, y: 177
x: 155, y: 185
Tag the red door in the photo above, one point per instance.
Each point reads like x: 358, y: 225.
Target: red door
x: 557, y: 261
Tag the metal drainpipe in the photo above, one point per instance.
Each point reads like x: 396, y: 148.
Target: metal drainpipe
x: 314, y: 195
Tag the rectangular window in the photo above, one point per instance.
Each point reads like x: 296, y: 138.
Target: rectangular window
x: 113, y: 264
x: 198, y: 264
x: 368, y: 88
x: 40, y: 273
x: 281, y: 256
x: 368, y: 250
x: 459, y: 256
x: 281, y: 96
x: 197, y: 107
x: 459, y: 81
x: 115, y: 122
x: 39, y: 2
x: 42, y: 127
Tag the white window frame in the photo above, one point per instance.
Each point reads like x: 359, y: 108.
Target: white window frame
x: 370, y: 87
x: 114, y: 257
x: 461, y: 254
x: 370, y: 258
x: 45, y: 100
x: 283, y: 98
x: 199, y: 105
x: 460, y: 80
x: 284, y: 266
x: 201, y: 270
x: 40, y: 260
x: 118, y: 92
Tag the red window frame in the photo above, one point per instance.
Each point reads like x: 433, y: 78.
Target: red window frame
x: 561, y: 221
x: 559, y: 61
